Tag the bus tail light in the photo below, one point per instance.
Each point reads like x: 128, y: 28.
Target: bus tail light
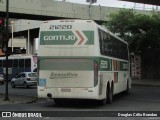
x: 95, y: 73
x: 28, y: 79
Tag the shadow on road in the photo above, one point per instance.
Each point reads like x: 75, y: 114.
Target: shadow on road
x: 80, y: 104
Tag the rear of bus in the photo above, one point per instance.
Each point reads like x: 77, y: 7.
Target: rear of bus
x: 67, y: 61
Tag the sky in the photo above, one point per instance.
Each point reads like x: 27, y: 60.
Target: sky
x: 115, y: 3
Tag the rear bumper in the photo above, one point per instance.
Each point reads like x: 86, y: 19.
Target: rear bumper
x: 68, y: 93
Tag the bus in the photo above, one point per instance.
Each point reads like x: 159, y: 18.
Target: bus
x: 18, y: 63
x: 79, y: 59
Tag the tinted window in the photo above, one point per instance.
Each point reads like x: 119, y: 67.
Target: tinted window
x: 23, y: 75
x: 4, y: 63
x: 18, y: 76
x: 1, y: 62
x: 15, y: 62
x: 10, y: 63
x: 21, y: 62
x: 111, y: 46
x: 27, y: 62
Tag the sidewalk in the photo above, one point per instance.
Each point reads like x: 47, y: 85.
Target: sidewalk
x: 16, y: 99
x: 146, y: 82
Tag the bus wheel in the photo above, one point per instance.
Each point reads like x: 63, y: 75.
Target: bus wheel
x: 109, y: 94
x: 13, y: 85
x: 25, y: 85
x: 104, y: 101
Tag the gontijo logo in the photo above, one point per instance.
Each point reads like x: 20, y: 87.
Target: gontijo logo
x: 67, y: 37
x: 60, y: 37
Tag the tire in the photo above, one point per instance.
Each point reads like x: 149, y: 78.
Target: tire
x: 109, y: 94
x: 13, y: 85
x: 25, y: 85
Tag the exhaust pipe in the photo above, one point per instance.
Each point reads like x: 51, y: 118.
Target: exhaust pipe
x: 49, y: 95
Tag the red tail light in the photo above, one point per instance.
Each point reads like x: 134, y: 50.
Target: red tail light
x: 95, y: 73
x: 96, y: 68
x: 28, y: 79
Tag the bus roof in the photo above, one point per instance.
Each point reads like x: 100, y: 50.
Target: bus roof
x: 87, y: 21
x: 69, y: 20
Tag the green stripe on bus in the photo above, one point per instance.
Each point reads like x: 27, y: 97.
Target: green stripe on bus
x: 90, y: 36
x: 85, y: 63
x: 66, y: 37
x: 66, y: 64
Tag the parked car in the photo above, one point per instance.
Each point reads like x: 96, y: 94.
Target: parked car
x: 25, y: 79
x: 1, y: 79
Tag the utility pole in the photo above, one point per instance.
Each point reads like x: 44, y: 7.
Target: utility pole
x: 6, y: 41
x: 90, y: 2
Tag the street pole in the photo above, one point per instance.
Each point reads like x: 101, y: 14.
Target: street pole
x: 6, y: 77
x: 12, y: 22
x: 28, y: 37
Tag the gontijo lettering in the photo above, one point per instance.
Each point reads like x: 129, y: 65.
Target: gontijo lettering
x: 60, y: 37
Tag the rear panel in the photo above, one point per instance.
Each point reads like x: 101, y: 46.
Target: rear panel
x: 67, y: 72
x: 68, y: 38
x: 66, y: 67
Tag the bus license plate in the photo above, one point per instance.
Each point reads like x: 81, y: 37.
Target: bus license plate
x: 65, y: 89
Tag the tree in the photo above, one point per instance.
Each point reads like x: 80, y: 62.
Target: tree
x: 142, y: 32
x: 119, y: 23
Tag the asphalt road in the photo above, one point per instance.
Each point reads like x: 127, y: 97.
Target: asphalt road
x: 31, y: 91
x: 140, y: 98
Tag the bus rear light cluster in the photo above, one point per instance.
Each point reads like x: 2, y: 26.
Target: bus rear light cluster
x: 95, y: 73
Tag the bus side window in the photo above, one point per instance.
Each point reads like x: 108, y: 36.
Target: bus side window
x: 15, y: 63
x: 1, y: 63
x: 21, y: 63
x: 4, y: 63
x: 10, y: 63
x: 126, y: 52
x: 100, y: 40
x: 27, y: 63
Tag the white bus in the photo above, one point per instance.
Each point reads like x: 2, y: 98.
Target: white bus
x: 79, y: 59
x: 18, y: 63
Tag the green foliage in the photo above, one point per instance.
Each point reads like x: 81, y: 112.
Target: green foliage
x: 142, y: 32
x: 139, y: 30
x: 119, y: 23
